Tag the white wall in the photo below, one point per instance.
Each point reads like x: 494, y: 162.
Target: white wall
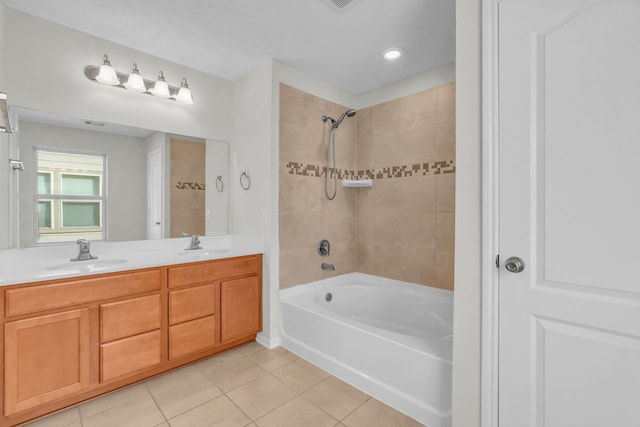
x: 217, y: 202
x: 251, y: 153
x: 468, y: 251
x: 126, y: 176
x: 4, y: 150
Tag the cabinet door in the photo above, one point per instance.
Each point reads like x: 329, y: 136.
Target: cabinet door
x: 240, y: 308
x: 46, y: 357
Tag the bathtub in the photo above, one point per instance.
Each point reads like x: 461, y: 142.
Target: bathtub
x: 390, y: 339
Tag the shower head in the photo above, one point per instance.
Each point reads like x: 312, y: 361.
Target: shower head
x: 336, y: 123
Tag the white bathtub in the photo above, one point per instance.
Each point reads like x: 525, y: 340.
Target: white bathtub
x: 390, y: 339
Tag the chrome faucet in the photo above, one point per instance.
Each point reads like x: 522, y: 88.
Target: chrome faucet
x: 326, y: 266
x: 84, y: 251
x: 194, y: 243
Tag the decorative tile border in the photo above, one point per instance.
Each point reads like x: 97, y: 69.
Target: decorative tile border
x: 189, y: 186
x: 403, y: 171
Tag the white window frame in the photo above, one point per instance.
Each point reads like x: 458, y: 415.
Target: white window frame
x: 57, y: 201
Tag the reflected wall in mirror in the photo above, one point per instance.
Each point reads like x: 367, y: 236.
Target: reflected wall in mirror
x: 154, y: 185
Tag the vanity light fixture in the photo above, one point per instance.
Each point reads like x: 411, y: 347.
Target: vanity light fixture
x: 106, y: 74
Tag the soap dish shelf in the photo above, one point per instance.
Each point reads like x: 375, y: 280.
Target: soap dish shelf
x: 357, y: 183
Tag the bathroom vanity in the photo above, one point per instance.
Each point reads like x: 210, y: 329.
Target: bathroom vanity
x: 71, y: 338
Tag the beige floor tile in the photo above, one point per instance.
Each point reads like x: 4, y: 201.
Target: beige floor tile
x: 300, y: 375
x: 336, y: 397
x: 297, y: 412
x: 219, y: 412
x: 261, y: 396
x: 272, y: 359
x: 67, y: 418
x: 376, y: 414
x: 164, y: 424
x: 217, y: 359
x: 182, y: 390
x: 234, y: 373
x: 249, y: 347
x: 139, y: 412
x: 112, y: 399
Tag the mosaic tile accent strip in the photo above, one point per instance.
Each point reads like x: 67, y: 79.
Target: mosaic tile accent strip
x: 403, y: 171
x: 189, y: 186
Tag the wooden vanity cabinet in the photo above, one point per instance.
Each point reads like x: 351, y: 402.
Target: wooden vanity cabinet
x: 214, y: 303
x: 68, y: 340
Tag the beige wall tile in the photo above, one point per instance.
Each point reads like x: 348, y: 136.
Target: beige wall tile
x: 418, y: 229
x: 446, y: 141
x: 446, y: 192
x: 364, y: 123
x: 444, y: 270
x: 295, y: 268
x: 445, y: 231
x: 446, y: 102
x: 387, y: 149
x: 419, y: 265
x: 418, y: 145
x: 387, y: 117
x: 419, y: 193
x: 300, y: 193
x: 292, y: 102
x: 419, y: 109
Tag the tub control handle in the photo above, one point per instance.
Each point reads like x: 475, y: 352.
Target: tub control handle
x: 514, y: 264
x: 324, y: 247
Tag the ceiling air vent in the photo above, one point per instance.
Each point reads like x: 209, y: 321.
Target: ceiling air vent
x: 340, y: 5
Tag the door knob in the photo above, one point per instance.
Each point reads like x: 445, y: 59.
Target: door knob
x: 514, y: 264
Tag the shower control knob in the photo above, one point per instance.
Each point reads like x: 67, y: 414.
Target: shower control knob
x: 514, y: 264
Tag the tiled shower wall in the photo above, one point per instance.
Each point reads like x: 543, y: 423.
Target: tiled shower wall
x: 402, y: 227
x: 306, y: 216
x: 405, y: 221
x: 187, y: 192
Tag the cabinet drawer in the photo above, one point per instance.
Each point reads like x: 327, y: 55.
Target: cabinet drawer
x: 130, y: 317
x: 129, y: 355
x: 192, y: 303
x: 210, y: 271
x: 80, y: 291
x: 192, y: 336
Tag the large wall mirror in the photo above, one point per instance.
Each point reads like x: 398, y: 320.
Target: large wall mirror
x: 103, y: 181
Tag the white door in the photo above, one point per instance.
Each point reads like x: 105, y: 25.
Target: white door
x: 155, y: 189
x: 569, y: 144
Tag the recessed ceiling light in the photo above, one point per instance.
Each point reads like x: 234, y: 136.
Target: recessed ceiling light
x: 392, y: 53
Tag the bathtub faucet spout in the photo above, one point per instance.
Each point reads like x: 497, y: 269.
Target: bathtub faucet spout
x: 326, y: 266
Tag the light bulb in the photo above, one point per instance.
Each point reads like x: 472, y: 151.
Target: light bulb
x: 184, y: 94
x: 393, y: 53
x: 135, y: 82
x: 107, y: 74
x: 160, y: 88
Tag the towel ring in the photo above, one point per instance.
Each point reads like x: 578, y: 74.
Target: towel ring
x: 245, y: 181
x: 219, y: 184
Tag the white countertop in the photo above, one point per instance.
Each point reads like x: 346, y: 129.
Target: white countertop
x: 53, y: 262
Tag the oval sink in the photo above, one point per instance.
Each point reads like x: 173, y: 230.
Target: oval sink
x: 88, y: 265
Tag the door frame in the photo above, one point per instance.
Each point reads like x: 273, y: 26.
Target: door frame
x: 490, y: 216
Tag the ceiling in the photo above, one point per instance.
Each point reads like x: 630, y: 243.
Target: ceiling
x: 229, y: 38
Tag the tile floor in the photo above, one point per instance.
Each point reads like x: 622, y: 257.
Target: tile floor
x: 245, y: 386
